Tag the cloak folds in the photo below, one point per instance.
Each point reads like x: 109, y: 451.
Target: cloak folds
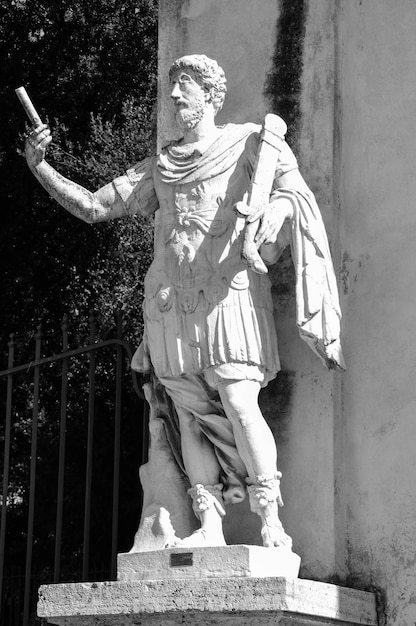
x: 180, y: 165
x: 318, y: 314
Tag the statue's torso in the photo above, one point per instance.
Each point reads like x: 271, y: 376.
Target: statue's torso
x: 203, y: 307
x: 198, y: 235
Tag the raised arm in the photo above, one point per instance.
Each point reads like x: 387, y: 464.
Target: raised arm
x: 104, y: 204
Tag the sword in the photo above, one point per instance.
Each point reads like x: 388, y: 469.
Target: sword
x: 271, y: 140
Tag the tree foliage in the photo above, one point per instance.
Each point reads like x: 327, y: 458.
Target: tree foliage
x: 90, y: 69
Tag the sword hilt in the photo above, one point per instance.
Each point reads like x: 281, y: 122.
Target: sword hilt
x: 272, y: 137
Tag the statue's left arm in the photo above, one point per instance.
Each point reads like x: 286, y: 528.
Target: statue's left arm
x: 293, y: 218
x: 280, y: 209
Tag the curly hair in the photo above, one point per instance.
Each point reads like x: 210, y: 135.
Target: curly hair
x: 209, y: 73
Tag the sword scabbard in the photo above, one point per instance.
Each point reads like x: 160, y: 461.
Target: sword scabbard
x: 271, y: 140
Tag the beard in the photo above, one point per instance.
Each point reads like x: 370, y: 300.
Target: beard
x: 189, y: 117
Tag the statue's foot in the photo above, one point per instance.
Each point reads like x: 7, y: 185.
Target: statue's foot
x: 265, y: 498
x: 208, y: 508
x: 201, y: 538
x: 274, y: 536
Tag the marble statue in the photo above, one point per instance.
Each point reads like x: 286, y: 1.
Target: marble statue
x: 209, y: 328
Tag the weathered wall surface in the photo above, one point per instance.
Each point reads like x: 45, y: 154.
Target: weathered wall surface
x: 377, y: 88
x: 308, y: 456
x: 346, y: 443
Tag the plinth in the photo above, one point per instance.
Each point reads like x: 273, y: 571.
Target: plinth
x: 213, y: 562
x: 204, y: 586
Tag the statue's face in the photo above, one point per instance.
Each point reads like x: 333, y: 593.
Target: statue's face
x: 189, y: 97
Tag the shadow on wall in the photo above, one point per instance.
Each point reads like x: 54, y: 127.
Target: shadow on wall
x: 283, y: 85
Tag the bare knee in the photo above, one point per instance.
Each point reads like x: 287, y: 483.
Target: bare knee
x: 240, y: 401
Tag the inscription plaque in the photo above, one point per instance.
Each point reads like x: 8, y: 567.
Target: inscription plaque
x: 181, y: 559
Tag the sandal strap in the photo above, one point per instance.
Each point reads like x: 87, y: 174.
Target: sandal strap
x: 206, y: 496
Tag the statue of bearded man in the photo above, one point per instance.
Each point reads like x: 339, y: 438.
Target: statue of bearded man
x: 209, y: 328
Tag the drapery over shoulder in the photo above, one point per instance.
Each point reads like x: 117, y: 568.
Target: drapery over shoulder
x: 179, y: 165
x: 318, y: 314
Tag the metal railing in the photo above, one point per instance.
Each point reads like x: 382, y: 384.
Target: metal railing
x: 14, y: 609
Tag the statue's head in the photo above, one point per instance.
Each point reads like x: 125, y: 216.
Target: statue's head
x: 207, y: 72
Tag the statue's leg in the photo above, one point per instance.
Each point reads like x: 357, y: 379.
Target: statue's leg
x: 203, y: 471
x: 200, y: 462
x: 254, y: 439
x: 256, y: 446
x: 199, y: 459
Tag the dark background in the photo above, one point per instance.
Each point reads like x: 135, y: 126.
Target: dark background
x: 90, y: 69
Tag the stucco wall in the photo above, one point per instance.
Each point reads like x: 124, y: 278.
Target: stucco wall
x: 377, y: 89
x: 346, y: 443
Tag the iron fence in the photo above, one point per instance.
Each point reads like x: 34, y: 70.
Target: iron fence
x: 43, y: 407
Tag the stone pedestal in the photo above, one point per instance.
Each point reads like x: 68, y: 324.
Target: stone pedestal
x: 214, y: 562
x: 232, y: 585
x: 237, y: 601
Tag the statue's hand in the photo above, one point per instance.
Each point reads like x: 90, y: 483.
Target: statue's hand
x: 36, y: 144
x: 272, y: 219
